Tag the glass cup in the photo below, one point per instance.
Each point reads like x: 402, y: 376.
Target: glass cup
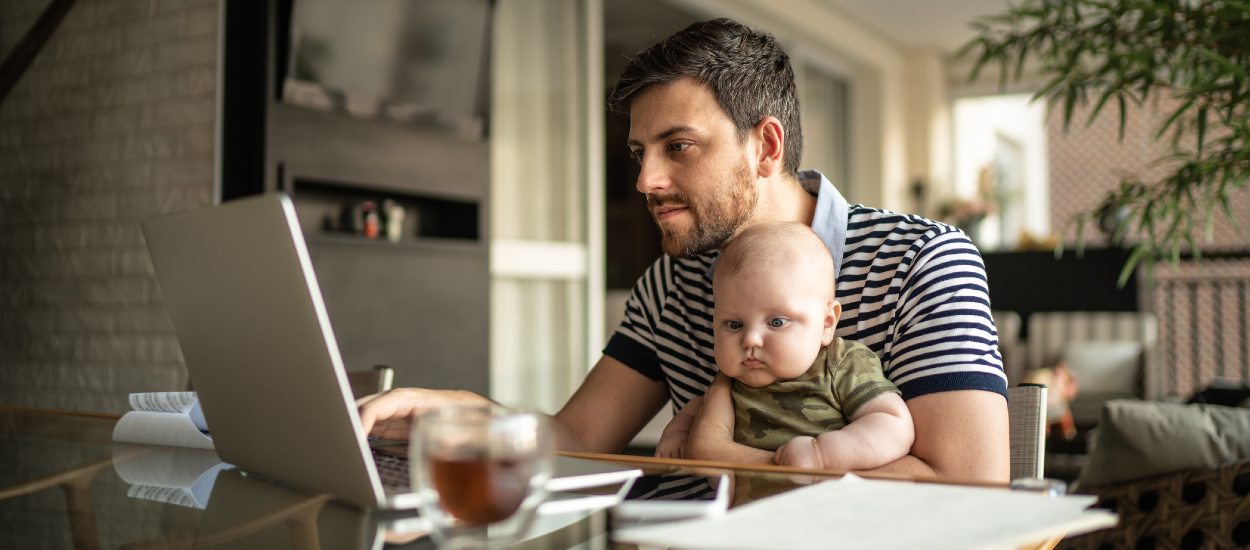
x: 480, y: 471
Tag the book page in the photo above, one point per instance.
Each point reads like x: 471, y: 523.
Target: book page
x: 162, y: 466
x: 175, y: 475
x: 160, y: 428
x: 165, y: 401
x: 171, y: 495
x: 859, y: 513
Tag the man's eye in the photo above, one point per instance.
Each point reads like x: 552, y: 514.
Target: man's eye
x: 678, y: 147
x: 636, y: 154
x: 777, y: 322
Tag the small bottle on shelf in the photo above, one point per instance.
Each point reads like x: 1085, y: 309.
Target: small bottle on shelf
x: 394, y: 220
x: 373, y: 225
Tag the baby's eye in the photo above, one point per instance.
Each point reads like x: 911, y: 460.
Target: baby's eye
x: 778, y: 322
x: 733, y: 325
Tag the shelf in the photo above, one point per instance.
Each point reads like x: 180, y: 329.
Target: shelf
x: 334, y: 212
x: 315, y: 237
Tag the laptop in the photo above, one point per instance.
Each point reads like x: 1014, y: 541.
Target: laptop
x: 240, y: 289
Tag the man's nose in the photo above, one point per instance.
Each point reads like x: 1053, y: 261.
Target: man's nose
x: 652, y: 177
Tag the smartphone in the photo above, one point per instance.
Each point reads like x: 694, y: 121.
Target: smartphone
x: 662, y: 497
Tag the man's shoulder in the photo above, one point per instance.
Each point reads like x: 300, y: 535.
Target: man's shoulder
x: 877, y: 232
x: 867, y: 219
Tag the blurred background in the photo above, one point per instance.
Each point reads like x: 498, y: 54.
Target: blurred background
x: 469, y: 203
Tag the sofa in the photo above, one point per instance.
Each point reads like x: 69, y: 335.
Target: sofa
x: 1178, y: 475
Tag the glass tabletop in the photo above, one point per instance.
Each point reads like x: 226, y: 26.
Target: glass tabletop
x: 65, y: 484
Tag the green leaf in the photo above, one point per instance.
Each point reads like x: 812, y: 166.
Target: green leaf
x: 1123, y: 116
x: 1050, y: 85
x: 1227, y: 207
x: 967, y: 47
x: 1130, y: 264
x: 1223, y: 61
x: 1093, y: 114
x: 1202, y: 130
x: 1175, y: 116
x: 1024, y: 51
x: 981, y: 61
x: 1069, y: 103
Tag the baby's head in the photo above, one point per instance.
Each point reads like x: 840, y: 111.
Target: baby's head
x: 775, y: 307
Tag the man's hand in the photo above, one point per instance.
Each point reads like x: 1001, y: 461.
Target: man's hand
x: 389, y: 414
x: 712, y: 436
x: 673, y: 441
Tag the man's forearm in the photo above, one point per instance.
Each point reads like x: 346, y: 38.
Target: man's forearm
x: 908, y: 466
x: 566, y: 438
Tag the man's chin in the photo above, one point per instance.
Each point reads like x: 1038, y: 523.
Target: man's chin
x: 676, y: 247
x: 682, y: 245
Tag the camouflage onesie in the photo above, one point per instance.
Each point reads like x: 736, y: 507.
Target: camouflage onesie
x: 844, y: 376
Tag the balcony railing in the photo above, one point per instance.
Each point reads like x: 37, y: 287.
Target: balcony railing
x: 1204, y: 323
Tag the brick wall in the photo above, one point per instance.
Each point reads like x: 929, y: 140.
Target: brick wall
x: 1086, y: 163
x: 113, y: 123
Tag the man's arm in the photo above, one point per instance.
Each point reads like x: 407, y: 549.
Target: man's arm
x: 959, y: 435
x: 610, y: 407
x: 880, y: 432
x: 389, y: 414
x: 712, y: 436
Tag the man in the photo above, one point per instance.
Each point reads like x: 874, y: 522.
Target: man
x: 714, y: 124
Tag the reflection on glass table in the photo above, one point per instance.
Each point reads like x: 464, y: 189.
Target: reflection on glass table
x: 65, y: 484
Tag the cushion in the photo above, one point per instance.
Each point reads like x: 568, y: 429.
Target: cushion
x: 1106, y: 367
x: 1138, y: 439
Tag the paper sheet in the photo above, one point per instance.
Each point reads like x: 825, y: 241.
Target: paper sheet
x: 861, y: 513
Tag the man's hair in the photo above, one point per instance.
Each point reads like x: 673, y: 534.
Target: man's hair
x: 784, y: 245
x: 748, y: 71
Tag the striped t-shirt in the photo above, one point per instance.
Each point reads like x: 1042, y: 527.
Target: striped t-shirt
x: 913, y: 290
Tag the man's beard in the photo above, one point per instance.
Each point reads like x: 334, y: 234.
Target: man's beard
x: 715, y: 218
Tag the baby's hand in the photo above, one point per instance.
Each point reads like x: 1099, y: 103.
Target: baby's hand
x: 799, y: 452
x: 673, y: 440
x: 672, y: 444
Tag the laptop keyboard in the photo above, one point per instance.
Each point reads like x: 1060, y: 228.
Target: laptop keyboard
x: 393, y: 469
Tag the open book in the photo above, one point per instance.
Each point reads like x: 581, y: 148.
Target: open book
x: 184, y: 477
x: 164, y: 418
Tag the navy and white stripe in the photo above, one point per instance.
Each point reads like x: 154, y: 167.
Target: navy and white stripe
x: 913, y: 290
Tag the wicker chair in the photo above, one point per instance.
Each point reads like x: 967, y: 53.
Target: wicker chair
x: 1199, y: 508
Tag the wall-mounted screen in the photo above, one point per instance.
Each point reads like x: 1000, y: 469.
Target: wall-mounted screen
x: 418, y: 61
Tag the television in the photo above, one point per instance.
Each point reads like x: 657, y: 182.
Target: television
x: 423, y: 62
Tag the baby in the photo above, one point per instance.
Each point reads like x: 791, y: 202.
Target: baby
x: 817, y: 400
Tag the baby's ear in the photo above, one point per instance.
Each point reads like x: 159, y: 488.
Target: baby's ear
x: 831, y: 321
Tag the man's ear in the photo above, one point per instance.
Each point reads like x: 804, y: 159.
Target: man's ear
x: 771, y: 146
x: 831, y: 321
